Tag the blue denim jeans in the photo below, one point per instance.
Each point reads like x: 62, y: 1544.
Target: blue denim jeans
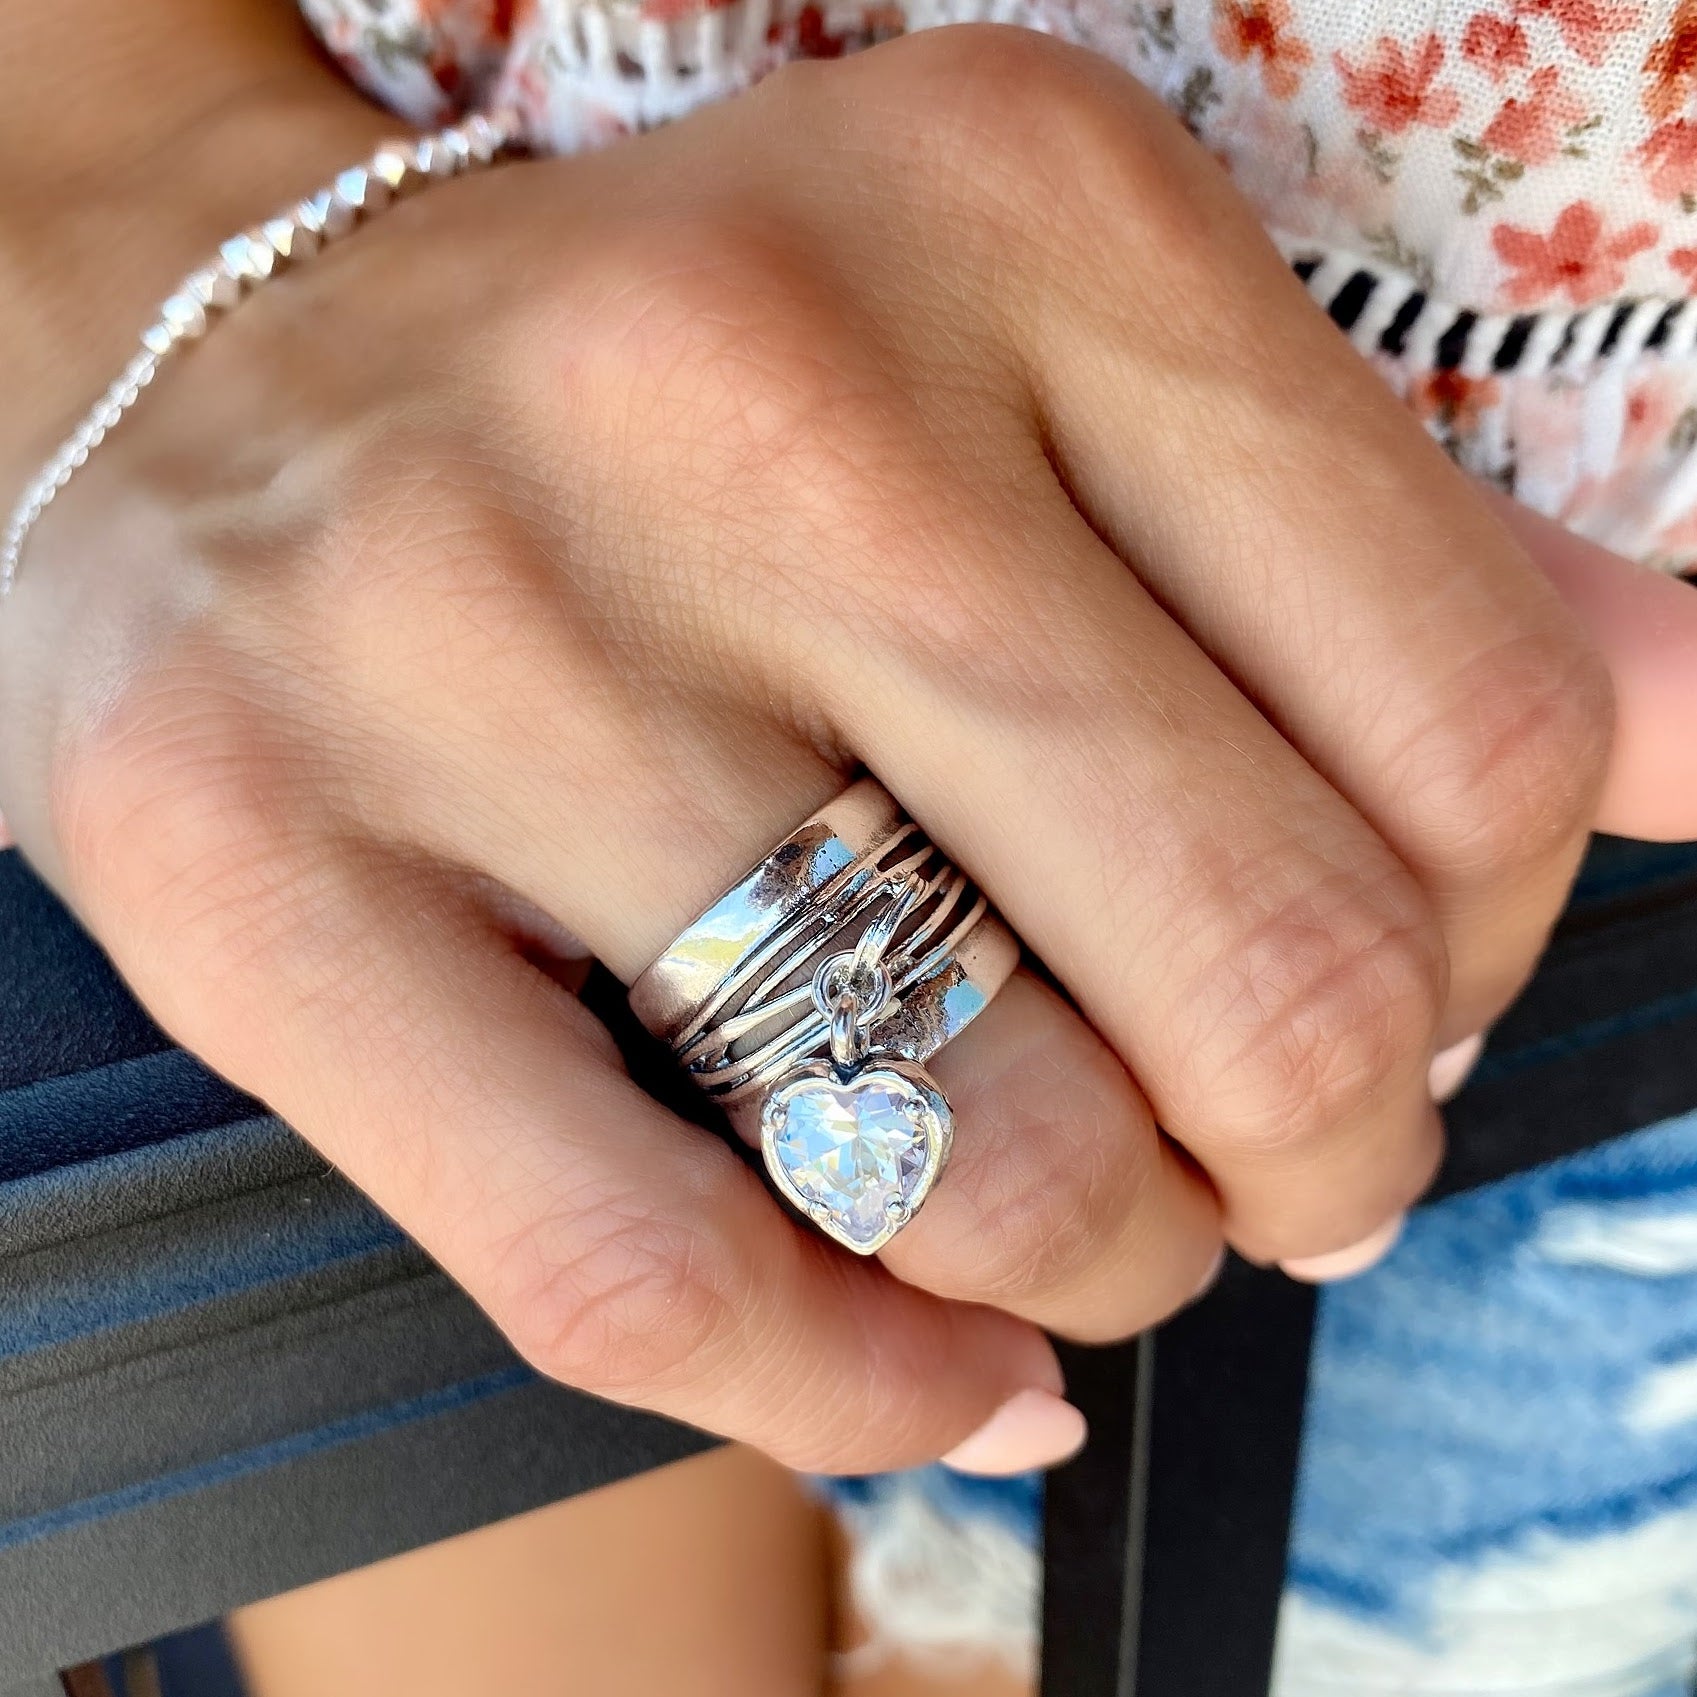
x: 1499, y: 1481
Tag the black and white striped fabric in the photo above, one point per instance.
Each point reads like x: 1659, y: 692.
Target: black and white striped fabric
x: 1388, y: 312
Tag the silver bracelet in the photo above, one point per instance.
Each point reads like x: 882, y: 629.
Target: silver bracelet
x: 396, y: 169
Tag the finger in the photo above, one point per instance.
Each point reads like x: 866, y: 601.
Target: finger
x: 624, y: 813
x: 1645, y: 626
x: 378, y: 1010
x: 1644, y: 623
x: 1266, y: 967
x: 1331, y: 559
x: 1061, y: 1202
x: 1252, y: 950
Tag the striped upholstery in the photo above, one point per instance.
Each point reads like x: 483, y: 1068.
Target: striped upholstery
x: 1385, y: 311
x: 222, y: 1371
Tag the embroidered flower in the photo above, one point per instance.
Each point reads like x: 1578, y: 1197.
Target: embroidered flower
x: 1669, y: 158
x: 1587, y: 26
x: 1451, y: 404
x: 1496, y: 45
x: 1577, y: 258
x: 1684, y: 261
x: 1536, y: 128
x: 1393, y: 89
x: 1246, y: 29
x: 1671, y: 64
x: 814, y: 38
x: 1653, y: 406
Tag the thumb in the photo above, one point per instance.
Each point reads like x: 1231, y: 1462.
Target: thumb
x: 1645, y: 624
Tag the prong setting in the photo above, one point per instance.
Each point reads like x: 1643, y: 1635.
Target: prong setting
x: 857, y: 1152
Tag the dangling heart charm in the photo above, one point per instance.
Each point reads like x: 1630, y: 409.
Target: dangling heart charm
x: 856, y: 1149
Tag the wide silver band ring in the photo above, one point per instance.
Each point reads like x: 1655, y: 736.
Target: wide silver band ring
x: 807, y: 999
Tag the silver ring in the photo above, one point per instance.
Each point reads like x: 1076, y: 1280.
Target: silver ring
x: 807, y: 999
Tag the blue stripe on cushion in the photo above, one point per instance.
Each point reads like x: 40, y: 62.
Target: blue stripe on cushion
x: 350, y: 1429
x: 63, y: 1204
x: 308, y: 1242
x: 122, y: 1105
x: 1666, y: 1010
x: 168, y: 1271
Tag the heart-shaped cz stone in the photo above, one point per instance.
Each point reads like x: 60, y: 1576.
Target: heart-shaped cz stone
x: 856, y: 1150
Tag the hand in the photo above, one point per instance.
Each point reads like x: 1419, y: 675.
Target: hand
x: 541, y: 556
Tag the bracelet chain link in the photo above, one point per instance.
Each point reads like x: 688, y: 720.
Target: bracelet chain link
x: 241, y: 265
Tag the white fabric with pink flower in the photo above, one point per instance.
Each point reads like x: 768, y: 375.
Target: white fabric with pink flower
x: 1504, y: 157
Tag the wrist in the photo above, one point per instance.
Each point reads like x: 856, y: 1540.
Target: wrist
x: 89, y: 245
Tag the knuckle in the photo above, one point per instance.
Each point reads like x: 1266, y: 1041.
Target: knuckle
x: 720, y: 378
x: 987, y: 95
x: 1304, y: 1021
x: 1062, y: 158
x: 1518, y: 760
x: 606, y: 1295
x: 159, y: 811
x: 192, y: 828
x: 427, y: 585
x: 989, y: 73
x: 711, y: 334
x: 417, y: 519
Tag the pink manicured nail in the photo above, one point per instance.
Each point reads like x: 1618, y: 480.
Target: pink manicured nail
x: 1451, y: 1066
x: 1212, y: 1276
x: 1345, y: 1263
x: 1031, y: 1429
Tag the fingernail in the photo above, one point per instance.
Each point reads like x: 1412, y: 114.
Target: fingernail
x: 5, y: 835
x: 1345, y: 1263
x: 1451, y: 1066
x: 1031, y: 1429
x: 1212, y: 1276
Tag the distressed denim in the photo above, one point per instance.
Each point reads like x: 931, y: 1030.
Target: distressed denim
x: 1499, y: 1480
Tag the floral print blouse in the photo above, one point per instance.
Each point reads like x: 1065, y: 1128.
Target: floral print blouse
x: 1496, y: 199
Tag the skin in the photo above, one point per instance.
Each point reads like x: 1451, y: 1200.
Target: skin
x: 542, y: 555
x: 524, y: 1608
x: 747, y: 1565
